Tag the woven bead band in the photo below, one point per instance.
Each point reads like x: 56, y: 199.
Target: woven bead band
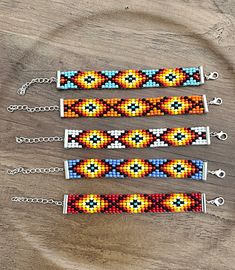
x: 133, y: 107
x: 125, y: 79
x: 134, y: 168
x: 139, y: 138
x: 133, y: 203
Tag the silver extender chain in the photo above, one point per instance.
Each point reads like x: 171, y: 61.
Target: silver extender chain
x: 36, y: 200
x: 39, y: 139
x: 13, y: 108
x: 22, y: 90
x: 35, y: 170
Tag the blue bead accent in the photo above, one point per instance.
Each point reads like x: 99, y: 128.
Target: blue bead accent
x: 110, y: 74
x: 115, y: 173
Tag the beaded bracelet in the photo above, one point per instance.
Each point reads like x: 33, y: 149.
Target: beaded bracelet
x: 116, y: 107
x: 139, y: 138
x: 125, y: 79
x: 129, y: 203
x: 133, y: 168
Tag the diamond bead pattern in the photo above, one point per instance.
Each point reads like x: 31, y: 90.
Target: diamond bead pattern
x: 133, y: 203
x: 133, y: 107
x: 129, y: 79
x: 140, y: 138
x: 134, y: 168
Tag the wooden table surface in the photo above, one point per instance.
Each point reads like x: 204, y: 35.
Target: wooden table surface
x: 40, y: 37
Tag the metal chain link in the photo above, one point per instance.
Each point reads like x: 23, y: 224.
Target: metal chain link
x: 52, y: 108
x: 36, y: 200
x: 34, y: 170
x: 39, y: 139
x: 22, y: 90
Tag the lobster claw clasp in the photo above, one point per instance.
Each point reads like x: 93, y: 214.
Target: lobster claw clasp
x: 217, y: 201
x: 216, y: 101
x: 220, y: 135
x: 219, y: 173
x: 212, y: 76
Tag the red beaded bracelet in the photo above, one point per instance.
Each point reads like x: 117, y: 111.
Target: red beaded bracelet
x: 129, y: 203
x: 130, y: 107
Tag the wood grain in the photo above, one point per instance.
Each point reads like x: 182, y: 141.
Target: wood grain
x: 40, y: 37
